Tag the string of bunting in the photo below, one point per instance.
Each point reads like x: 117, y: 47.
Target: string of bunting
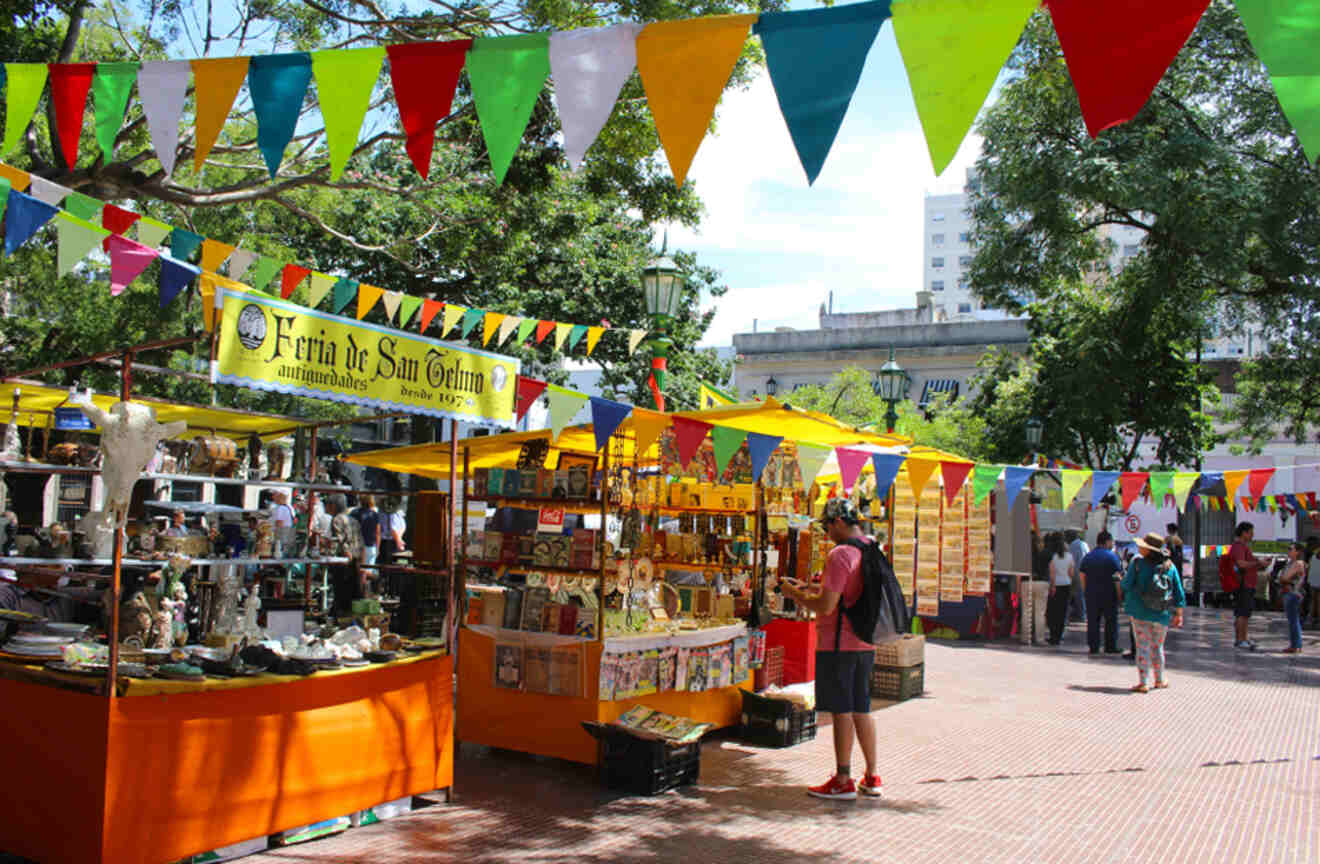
x: 28, y: 202
x: 953, y: 51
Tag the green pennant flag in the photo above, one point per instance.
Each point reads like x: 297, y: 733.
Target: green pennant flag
x: 5, y: 187
x: 408, y: 306
x: 471, y: 318
x: 344, y: 81
x: 525, y: 329
x: 984, y: 478
x: 564, y: 406
x: 811, y: 457
x: 345, y: 290
x: 506, y: 74
x: 1161, y: 483
x: 1072, y: 483
x: 24, y: 83
x: 264, y: 270
x: 1284, y: 36
x: 152, y: 232
x: 77, y: 237
x: 111, y: 85
x: 84, y: 207
x: 953, y: 51
x: 575, y: 335
x: 727, y: 440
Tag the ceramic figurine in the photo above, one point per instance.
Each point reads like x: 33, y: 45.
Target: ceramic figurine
x: 251, y: 606
x: 226, y: 608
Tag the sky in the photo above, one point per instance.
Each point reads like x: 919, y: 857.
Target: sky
x: 782, y: 245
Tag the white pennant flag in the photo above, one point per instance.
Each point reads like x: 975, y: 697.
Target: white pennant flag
x: 48, y: 192
x: 635, y: 338
x: 507, y: 327
x: 590, y: 67
x: 163, y: 88
x: 239, y: 262
x: 391, y: 301
x: 76, y: 241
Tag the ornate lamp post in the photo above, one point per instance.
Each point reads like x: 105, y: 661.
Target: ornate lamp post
x: 891, y: 386
x: 1034, y: 430
x: 662, y: 286
x: 771, y: 387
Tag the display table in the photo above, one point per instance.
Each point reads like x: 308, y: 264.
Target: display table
x: 549, y: 725
x: 799, y: 641
x: 176, y: 768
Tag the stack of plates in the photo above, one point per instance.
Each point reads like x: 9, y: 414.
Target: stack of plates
x: 38, y: 645
x: 53, y: 628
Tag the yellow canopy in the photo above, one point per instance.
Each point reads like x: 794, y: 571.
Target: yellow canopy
x: 41, y: 402
x: 767, y: 418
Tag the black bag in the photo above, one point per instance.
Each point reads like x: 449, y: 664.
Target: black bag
x: 1158, y: 595
x: 880, y: 614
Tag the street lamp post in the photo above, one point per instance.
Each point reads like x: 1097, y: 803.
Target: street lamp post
x: 771, y: 387
x: 890, y: 383
x: 1035, y: 429
x: 662, y: 286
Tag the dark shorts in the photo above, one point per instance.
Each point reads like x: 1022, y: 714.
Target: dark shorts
x: 1244, y: 602
x: 843, y: 681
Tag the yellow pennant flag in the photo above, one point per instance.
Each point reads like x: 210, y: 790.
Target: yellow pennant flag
x: 491, y: 326
x: 392, y: 299
x: 1073, y: 481
x: 1183, y: 483
x: 919, y: 473
x: 507, y: 328
x: 206, y: 288
x: 593, y: 336
x: 1232, y: 480
x: 215, y: 86
x: 320, y: 286
x: 561, y: 333
x: 452, y: 315
x: 647, y: 426
x: 635, y: 338
x: 214, y: 254
x: 368, y: 295
x: 685, y: 65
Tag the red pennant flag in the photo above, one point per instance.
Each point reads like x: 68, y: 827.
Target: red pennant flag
x: 1257, y: 479
x: 430, y: 309
x: 69, y: 85
x: 291, y: 278
x: 688, y: 435
x: 424, y: 75
x: 955, y: 475
x: 544, y: 329
x: 1310, y: 500
x: 117, y: 220
x: 528, y: 390
x: 1132, y: 482
x: 1118, y: 51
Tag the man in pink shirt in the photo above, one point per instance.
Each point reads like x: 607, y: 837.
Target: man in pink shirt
x: 843, y: 661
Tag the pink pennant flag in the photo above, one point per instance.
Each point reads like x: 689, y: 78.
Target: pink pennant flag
x: 850, y: 465
x: 128, y: 258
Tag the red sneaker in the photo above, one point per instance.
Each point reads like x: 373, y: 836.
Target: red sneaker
x: 838, y: 788
x: 871, y: 786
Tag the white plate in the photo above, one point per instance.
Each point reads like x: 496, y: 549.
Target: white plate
x: 39, y: 639
x: 63, y: 629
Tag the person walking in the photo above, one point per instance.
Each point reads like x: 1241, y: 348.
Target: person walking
x: 1063, y: 569
x: 1248, y: 569
x: 393, y: 524
x: 843, y: 660
x: 1153, y: 608
x: 1078, y: 549
x: 368, y: 518
x: 1313, y: 583
x: 345, y: 542
x: 1033, y: 591
x: 1290, y: 583
x: 1100, y: 572
x: 1174, y: 544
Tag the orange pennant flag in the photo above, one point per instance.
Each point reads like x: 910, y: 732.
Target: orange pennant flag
x: 490, y: 326
x: 647, y: 426
x: 214, y: 254
x: 919, y: 473
x: 544, y: 329
x: 430, y: 308
x: 368, y: 295
x: 19, y: 180
x: 215, y: 85
x: 1232, y: 480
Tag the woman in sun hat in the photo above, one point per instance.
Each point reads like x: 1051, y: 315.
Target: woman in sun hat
x: 1152, y: 610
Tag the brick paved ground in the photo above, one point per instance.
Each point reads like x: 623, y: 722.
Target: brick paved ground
x: 1013, y: 755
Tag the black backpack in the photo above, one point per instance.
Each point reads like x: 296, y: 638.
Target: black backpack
x: 880, y: 614
x: 1158, y: 596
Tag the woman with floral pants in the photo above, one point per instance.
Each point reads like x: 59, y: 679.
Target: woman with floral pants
x: 1150, y: 625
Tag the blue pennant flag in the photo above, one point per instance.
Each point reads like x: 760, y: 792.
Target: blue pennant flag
x: 1296, y: 505
x: 1212, y: 485
x: 183, y: 244
x: 174, y: 277
x: 815, y: 58
x: 886, y: 467
x: 1015, y: 477
x: 278, y: 84
x: 759, y: 447
x: 606, y: 417
x: 24, y: 218
x: 1101, y: 483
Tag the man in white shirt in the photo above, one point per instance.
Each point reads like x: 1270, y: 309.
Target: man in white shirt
x: 392, y: 529
x: 1078, y: 549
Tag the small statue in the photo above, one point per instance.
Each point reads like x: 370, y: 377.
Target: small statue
x: 162, y: 634
x: 251, y: 606
x: 226, y: 610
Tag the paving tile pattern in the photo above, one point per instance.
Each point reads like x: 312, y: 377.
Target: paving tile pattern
x: 1013, y: 755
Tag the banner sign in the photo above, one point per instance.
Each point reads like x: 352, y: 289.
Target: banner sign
x: 270, y: 344
x: 72, y: 418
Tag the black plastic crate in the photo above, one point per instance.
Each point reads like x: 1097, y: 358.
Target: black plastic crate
x: 643, y: 766
x: 775, y: 722
x: 897, y: 683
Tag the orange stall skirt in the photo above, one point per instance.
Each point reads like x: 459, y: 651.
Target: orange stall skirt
x: 155, y: 778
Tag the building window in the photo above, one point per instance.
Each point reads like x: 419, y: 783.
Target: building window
x: 937, y: 217
x: 964, y: 260
x: 1131, y: 249
x: 964, y: 285
x: 965, y: 237
x: 937, y: 261
x: 937, y: 239
x: 964, y: 308
x: 937, y: 285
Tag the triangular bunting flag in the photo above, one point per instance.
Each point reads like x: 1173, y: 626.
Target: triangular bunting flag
x: 367, y: 297
x: 215, y: 87
x: 589, y: 67
x: 593, y: 337
x: 760, y: 448
x: 1284, y: 36
x: 239, y: 262
x: 18, y: 179
x: 182, y: 243
x: 727, y: 440
x: 88, y: 209
x: 506, y: 74
x: 1113, y: 72
x: 1232, y: 480
x: 128, y: 258
x: 1257, y: 480
x: 688, y: 435
x: 1132, y: 483
x: 69, y: 85
x: 850, y: 465
x: 490, y: 327
x: 319, y: 287
x: 886, y: 467
x: 564, y: 406
x: 528, y: 390
x: 507, y: 328
x: 344, y: 81
x: 811, y: 458
x: 955, y: 475
x: 215, y: 253
x: 345, y: 290
x: 51, y: 193
x: 1015, y: 477
x: 1160, y: 482
x: 984, y: 478
x: 24, y: 218
x: 76, y: 238
x: 111, y: 87
x: 606, y: 417
x: 408, y: 307
x: 452, y: 315
x: 291, y: 276
x: 561, y: 333
x: 278, y: 84
x: 685, y: 66
x: 391, y: 300
x: 815, y: 57
x: 635, y: 338
x: 174, y: 277
x: 525, y: 329
x: 953, y: 51
x: 919, y: 473
x: 1072, y: 482
x: 150, y: 232
x: 117, y: 220
x: 575, y: 335
x: 1101, y: 483
x: 544, y: 329
x: 24, y: 83
x: 424, y: 75
x: 471, y: 318
x: 430, y: 308
x: 163, y: 89
x: 1183, y: 483
x: 647, y: 426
